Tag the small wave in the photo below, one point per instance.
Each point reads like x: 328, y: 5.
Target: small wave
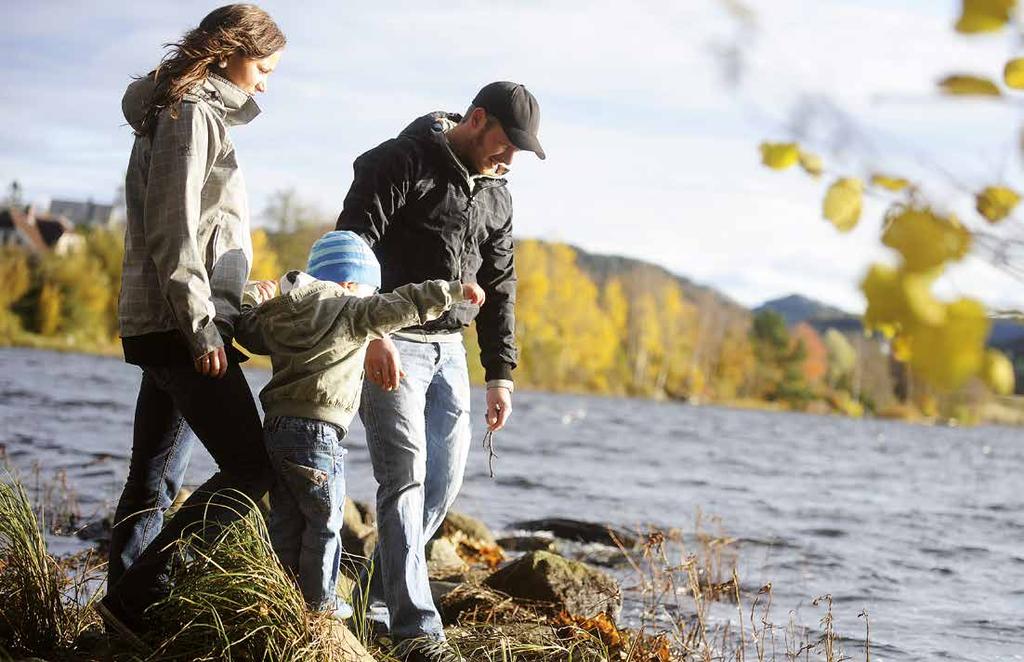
x: 90, y: 404
x: 777, y: 543
x: 825, y: 532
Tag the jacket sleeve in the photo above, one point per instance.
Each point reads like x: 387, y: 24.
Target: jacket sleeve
x: 383, y: 178
x: 496, y: 323
x: 249, y: 325
x: 249, y: 333
x: 408, y: 305
x: 183, y: 153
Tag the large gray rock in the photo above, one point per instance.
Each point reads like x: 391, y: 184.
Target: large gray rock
x: 559, y: 582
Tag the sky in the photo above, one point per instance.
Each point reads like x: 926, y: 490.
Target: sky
x: 652, y: 113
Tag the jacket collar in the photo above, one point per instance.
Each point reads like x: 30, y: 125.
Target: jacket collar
x: 439, y: 133
x: 237, y: 105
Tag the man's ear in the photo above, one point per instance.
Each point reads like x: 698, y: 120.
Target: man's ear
x: 478, y: 118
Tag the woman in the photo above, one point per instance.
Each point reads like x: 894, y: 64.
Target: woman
x: 187, y: 258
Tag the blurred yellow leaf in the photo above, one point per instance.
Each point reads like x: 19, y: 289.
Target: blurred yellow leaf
x: 900, y: 300
x: 996, y: 202
x: 896, y: 184
x: 921, y: 305
x: 967, y: 85
x: 779, y: 156
x: 1013, y: 73
x: 882, y: 290
x: 924, y: 239
x: 984, y: 15
x: 811, y: 163
x: 843, y: 202
x: 901, y: 349
x: 948, y: 355
x: 997, y: 372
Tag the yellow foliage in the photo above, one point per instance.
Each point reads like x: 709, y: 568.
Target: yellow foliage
x: 1013, y: 73
x: 265, y: 265
x: 14, y: 274
x: 996, y: 202
x: 564, y: 337
x: 969, y: 85
x: 947, y: 355
x: 924, y: 239
x: 997, y: 372
x: 895, y: 184
x: 811, y: 163
x: 984, y: 15
x: 48, y: 315
x: 779, y: 156
x: 843, y: 203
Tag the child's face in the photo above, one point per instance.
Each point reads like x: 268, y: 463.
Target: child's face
x: 360, y: 290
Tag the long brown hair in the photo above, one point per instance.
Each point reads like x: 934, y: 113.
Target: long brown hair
x: 243, y: 29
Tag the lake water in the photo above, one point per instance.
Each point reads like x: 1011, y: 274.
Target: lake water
x: 921, y: 526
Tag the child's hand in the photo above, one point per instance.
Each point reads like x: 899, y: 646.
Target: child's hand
x: 267, y: 289
x: 473, y: 293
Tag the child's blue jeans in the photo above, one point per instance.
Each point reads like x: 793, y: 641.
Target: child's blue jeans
x: 306, y: 503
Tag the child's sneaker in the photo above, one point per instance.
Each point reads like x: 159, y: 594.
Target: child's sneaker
x: 340, y: 610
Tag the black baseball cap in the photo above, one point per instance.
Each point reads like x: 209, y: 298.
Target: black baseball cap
x: 516, y: 109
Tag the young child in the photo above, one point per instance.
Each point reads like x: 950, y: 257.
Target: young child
x: 316, y: 334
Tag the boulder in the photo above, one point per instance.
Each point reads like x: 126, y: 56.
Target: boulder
x: 358, y: 535
x: 473, y: 528
x: 560, y: 583
x: 528, y: 543
x: 570, y: 529
x: 347, y: 644
x: 443, y: 560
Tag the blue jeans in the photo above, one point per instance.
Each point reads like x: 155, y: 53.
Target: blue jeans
x: 223, y: 415
x: 161, y: 448
x: 418, y: 437
x: 306, y: 503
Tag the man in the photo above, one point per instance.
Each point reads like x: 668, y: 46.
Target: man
x: 432, y: 203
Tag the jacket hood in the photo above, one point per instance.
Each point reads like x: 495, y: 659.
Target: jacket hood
x: 431, y: 126
x: 133, y: 103
x: 234, y: 105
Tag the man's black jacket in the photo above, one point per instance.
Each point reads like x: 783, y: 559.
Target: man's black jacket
x: 426, y: 218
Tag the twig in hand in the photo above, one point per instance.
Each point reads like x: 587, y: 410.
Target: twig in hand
x: 489, y: 447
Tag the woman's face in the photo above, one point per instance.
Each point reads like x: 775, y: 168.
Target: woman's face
x: 250, y: 74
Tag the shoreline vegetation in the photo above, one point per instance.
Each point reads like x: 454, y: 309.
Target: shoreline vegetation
x: 560, y: 590
x: 585, y: 324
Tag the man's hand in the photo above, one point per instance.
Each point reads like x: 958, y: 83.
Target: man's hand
x: 383, y: 364
x: 473, y: 293
x: 213, y: 364
x: 499, y: 406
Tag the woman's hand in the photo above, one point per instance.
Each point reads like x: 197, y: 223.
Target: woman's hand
x: 383, y: 364
x: 213, y: 364
x: 473, y: 293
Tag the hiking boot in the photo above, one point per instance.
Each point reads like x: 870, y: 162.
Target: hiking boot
x: 120, y: 623
x: 425, y: 649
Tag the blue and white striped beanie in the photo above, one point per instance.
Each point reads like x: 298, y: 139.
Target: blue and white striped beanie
x: 342, y: 256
